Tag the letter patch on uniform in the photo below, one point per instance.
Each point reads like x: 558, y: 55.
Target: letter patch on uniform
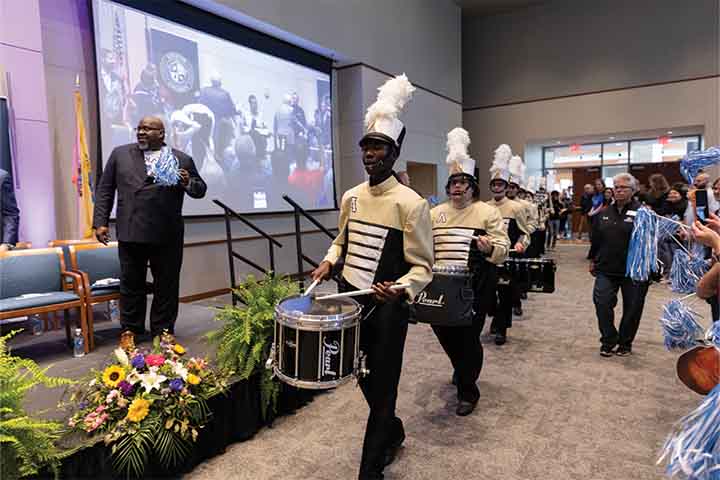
x: 442, y: 218
x: 353, y: 204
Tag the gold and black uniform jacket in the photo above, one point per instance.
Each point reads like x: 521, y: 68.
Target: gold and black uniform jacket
x: 385, y: 235
x: 531, y: 214
x: 453, y: 228
x: 452, y: 231
x: 515, y: 220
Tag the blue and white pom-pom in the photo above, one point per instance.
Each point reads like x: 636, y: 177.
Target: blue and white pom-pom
x: 698, y: 160
x: 686, y: 272
x: 165, y: 170
x: 693, y: 450
x: 713, y: 334
x: 642, y: 251
x: 667, y: 227
x: 681, y: 329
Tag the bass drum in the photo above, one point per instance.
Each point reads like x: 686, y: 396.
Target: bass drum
x: 316, y: 344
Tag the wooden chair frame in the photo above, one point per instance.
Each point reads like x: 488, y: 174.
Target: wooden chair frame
x: 77, y: 286
x: 90, y: 298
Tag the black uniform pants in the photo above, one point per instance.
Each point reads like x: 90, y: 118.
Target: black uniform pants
x: 605, y: 298
x: 165, y: 260
x: 506, y: 294
x: 382, y: 339
x: 464, y: 349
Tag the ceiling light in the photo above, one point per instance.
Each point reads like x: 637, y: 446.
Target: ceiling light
x: 669, y: 132
x: 619, y: 144
x: 612, y: 138
x: 557, y: 143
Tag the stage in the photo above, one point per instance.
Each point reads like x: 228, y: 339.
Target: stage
x: 236, y: 415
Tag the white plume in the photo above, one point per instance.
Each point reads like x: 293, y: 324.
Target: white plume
x: 392, y: 97
x: 531, y: 184
x: 502, y: 157
x: 457, y: 158
x: 516, y: 166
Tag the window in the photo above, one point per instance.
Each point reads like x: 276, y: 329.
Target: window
x: 615, y: 153
x: 569, y: 156
x: 663, y: 149
x: 609, y: 172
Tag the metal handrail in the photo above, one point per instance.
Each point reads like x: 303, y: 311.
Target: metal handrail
x: 233, y: 254
x: 246, y: 221
x: 305, y: 214
x: 297, y: 211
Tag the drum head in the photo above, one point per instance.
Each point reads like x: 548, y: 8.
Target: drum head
x: 303, y: 310
x: 451, y: 268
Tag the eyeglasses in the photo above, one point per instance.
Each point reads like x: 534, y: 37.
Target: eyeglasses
x: 147, y: 129
x: 622, y: 187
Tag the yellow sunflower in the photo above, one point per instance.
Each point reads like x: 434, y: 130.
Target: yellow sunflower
x: 193, y: 379
x: 138, y: 410
x: 113, y: 375
x: 179, y: 349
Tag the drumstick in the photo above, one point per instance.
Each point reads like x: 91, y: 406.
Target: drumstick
x: 357, y: 293
x: 311, y: 287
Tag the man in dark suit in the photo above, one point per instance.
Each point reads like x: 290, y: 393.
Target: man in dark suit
x: 9, y: 213
x: 149, y: 225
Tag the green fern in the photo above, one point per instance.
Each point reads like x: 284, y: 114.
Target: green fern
x: 244, y: 341
x: 26, y: 444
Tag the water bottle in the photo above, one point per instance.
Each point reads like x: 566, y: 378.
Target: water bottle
x: 78, y: 344
x: 113, y: 313
x: 36, y: 325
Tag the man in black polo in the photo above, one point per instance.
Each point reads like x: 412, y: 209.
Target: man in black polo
x: 608, y: 255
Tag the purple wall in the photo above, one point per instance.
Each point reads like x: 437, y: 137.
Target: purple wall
x: 21, y: 56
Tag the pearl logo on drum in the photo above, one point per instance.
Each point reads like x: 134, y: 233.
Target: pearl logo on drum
x: 330, y: 350
x: 424, y: 299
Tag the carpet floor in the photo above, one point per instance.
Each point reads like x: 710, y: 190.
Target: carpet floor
x: 550, y: 406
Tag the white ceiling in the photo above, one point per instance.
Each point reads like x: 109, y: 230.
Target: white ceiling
x: 489, y: 7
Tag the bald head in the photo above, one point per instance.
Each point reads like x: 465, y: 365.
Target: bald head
x: 702, y: 180
x: 150, y: 133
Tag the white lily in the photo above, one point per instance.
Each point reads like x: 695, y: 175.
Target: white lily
x: 180, y: 370
x: 122, y: 357
x: 152, y: 381
x: 133, y: 377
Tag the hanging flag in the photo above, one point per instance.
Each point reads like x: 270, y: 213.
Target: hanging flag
x: 81, y: 171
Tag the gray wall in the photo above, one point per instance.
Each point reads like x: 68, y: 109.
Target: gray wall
x: 579, y: 47
x: 576, y: 46
x: 418, y: 37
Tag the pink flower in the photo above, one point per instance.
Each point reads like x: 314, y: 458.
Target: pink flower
x: 100, y: 409
x: 154, y: 360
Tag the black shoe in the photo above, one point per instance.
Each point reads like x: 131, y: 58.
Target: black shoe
x: 500, y: 339
x: 454, y: 378
x: 523, y: 296
x: 623, y: 351
x: 464, y: 408
x: 607, y: 350
x: 517, y: 311
x: 392, y: 451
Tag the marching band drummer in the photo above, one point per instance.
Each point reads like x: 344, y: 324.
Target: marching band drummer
x: 385, y: 238
x: 514, y: 192
x: 515, y: 222
x: 454, y: 223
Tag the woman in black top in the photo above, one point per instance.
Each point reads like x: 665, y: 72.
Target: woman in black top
x: 674, y: 207
x: 553, y: 219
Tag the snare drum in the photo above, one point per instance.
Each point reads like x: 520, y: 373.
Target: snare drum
x: 535, y: 274
x: 316, y: 344
x: 448, y: 299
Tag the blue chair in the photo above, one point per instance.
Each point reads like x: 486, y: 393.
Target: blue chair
x: 34, y: 282
x: 93, y: 262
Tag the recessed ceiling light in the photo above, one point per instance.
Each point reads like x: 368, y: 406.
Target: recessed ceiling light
x: 612, y: 138
x: 557, y: 143
x: 619, y: 144
x: 669, y: 132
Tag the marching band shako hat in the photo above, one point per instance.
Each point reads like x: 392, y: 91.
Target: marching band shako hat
x: 499, y: 168
x: 381, y: 119
x: 459, y: 162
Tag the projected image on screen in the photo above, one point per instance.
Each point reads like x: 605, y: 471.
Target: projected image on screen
x: 257, y: 126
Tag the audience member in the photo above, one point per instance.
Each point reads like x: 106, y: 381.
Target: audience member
x: 657, y: 194
x: 608, y: 256
x: 554, y: 219
x: 586, y: 204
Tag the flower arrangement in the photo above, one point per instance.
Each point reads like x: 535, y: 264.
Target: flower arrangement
x: 148, y: 404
